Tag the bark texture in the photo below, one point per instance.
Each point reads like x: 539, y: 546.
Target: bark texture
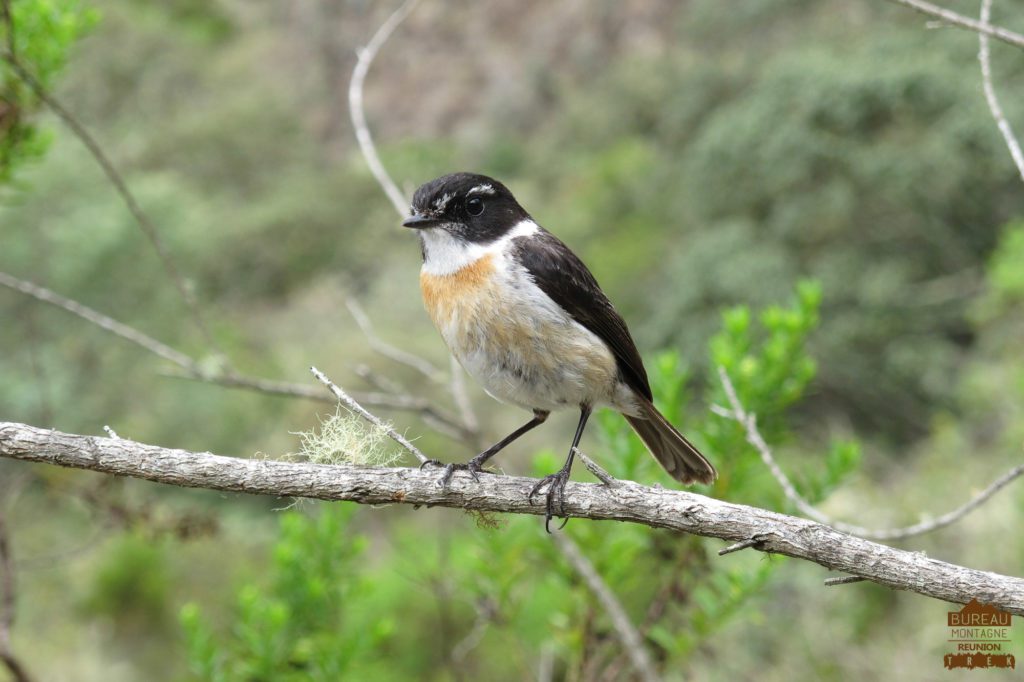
x: 655, y: 507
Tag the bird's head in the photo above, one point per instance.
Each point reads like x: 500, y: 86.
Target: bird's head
x: 464, y: 207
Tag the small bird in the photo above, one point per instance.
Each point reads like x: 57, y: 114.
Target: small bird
x: 525, y: 317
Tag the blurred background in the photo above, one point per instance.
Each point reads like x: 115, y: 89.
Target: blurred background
x: 811, y: 194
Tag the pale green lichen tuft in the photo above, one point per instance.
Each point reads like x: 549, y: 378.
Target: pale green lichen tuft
x: 345, y: 438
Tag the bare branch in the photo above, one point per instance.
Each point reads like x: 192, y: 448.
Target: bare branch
x: 990, y: 92
x: 470, y: 426
x: 355, y: 106
x: 486, y: 613
x: 99, y: 319
x: 630, y: 638
x: 394, y: 396
x: 546, y: 665
x: 114, y: 176
x: 351, y: 404
x: 400, y: 356
x: 739, y: 546
x: 959, y: 20
x: 749, y: 423
x: 192, y: 370
x: 249, y: 383
x: 597, y: 470
x: 845, y: 580
x: 656, y: 507
x: 463, y: 428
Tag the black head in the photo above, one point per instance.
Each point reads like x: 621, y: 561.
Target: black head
x: 471, y: 207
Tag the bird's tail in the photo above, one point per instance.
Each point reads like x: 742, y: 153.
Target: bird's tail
x: 681, y: 459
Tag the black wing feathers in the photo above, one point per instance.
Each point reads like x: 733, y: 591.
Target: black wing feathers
x: 566, y: 280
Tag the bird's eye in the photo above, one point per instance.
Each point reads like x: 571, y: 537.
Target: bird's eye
x: 475, y: 206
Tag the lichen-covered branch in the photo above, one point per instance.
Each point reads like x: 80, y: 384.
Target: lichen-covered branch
x: 628, y: 501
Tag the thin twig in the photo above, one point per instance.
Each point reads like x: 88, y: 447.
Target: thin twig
x: 597, y: 470
x: 111, y: 433
x: 355, y: 106
x: 845, y: 580
x: 486, y: 613
x: 368, y: 416
x: 546, y: 665
x: 961, y: 21
x: 749, y: 423
x: 284, y: 389
x: 464, y: 430
x: 421, y: 365
x: 739, y: 546
x: 470, y: 426
x: 382, y: 383
x: 394, y: 396
x: 115, y: 178
x: 630, y: 638
x: 99, y: 319
x: 192, y: 370
x: 990, y: 92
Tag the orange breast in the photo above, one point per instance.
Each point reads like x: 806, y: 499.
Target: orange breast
x: 443, y: 295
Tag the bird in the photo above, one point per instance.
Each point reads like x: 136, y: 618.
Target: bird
x: 528, y: 321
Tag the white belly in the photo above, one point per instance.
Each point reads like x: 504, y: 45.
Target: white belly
x: 520, y: 345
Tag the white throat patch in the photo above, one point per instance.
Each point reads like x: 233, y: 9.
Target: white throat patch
x: 444, y: 254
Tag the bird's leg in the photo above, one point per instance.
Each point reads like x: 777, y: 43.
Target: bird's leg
x: 474, y: 466
x: 556, y: 481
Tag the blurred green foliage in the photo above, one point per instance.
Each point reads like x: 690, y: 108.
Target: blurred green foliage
x: 311, y: 621
x: 43, y: 35
x: 701, y: 157
x: 131, y: 586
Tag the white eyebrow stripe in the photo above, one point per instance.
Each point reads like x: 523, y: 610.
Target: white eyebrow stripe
x: 481, y: 189
x: 442, y: 203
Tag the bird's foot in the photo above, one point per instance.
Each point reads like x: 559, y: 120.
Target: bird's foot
x: 555, y: 498
x: 472, y: 466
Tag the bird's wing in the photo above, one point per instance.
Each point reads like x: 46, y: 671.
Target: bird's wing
x: 566, y: 280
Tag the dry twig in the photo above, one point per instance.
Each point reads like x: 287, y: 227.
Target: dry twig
x: 749, y: 423
x: 402, y: 357
x: 959, y: 20
x: 845, y: 580
x: 630, y: 638
x: 355, y: 106
x: 115, y: 178
x: 351, y: 404
x: 192, y: 369
x: 990, y: 92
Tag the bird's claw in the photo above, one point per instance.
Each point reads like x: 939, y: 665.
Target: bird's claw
x: 449, y: 470
x: 555, y: 498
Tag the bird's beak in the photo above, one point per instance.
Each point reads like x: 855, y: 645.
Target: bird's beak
x: 420, y: 221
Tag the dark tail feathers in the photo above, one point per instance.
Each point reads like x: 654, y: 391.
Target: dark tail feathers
x: 680, y: 458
